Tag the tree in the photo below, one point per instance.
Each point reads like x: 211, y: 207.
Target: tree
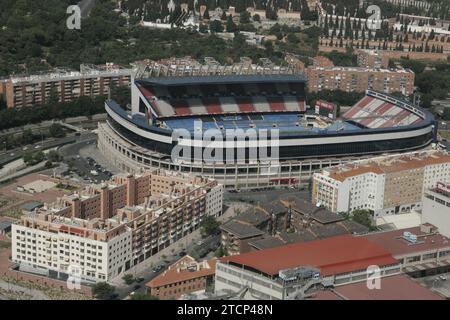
x: 128, y: 279
x: 102, y: 290
x: 56, y: 130
x: 224, y: 16
x: 2, y: 102
x: 203, y: 28
x: 220, y: 252
x: 231, y: 26
x: 28, y: 158
x: 143, y: 296
x: 363, y: 217
x: 244, y: 17
x: 216, y: 26
x: 208, y: 226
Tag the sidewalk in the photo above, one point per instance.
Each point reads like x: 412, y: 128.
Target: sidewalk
x: 146, y: 266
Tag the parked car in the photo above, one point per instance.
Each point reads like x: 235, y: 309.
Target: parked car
x: 157, y: 268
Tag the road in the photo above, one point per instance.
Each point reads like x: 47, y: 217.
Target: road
x: 14, y: 154
x: 171, y: 254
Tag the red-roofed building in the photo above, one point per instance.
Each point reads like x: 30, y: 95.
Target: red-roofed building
x: 421, y: 250
x: 397, y: 287
x: 184, y: 276
x: 280, y: 272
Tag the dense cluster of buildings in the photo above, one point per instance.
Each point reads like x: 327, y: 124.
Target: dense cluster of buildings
x: 318, y: 268
x: 65, y: 85
x: 106, y: 229
x: 359, y: 79
x: 285, y: 221
x: 384, y: 185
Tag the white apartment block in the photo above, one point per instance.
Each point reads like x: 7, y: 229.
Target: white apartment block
x: 385, y: 185
x: 44, y: 251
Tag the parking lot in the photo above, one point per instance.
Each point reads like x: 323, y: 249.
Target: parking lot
x: 87, y: 170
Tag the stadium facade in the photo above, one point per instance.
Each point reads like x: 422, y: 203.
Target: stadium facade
x: 274, y: 107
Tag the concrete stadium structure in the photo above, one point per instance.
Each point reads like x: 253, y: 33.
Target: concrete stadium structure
x: 162, y: 106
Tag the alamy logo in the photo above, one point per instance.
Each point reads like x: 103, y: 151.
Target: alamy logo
x: 74, y: 279
x: 373, y: 277
x: 229, y: 146
x: 74, y: 20
x: 374, y: 20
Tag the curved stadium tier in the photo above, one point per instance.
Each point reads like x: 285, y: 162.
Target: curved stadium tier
x: 274, y: 107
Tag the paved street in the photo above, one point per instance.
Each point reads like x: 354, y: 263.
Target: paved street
x: 14, y: 154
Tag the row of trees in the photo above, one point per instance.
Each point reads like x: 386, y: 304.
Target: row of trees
x: 83, y: 106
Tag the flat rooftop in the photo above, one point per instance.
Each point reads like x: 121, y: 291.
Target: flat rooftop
x: 393, y: 241
x: 333, y: 255
x: 225, y: 79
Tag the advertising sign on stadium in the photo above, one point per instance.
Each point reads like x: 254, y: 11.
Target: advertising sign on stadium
x: 325, y: 108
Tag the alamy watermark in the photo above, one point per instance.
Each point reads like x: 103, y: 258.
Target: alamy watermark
x: 73, y: 22
x: 373, y: 277
x: 373, y: 22
x: 228, y: 146
x: 74, y: 279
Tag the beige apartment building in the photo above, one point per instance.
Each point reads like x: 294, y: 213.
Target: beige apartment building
x: 93, y: 81
x: 385, y: 185
x: 358, y: 79
x: 372, y: 58
x: 106, y: 229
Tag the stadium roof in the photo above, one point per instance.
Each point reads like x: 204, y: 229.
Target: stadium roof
x: 334, y: 255
x: 225, y: 79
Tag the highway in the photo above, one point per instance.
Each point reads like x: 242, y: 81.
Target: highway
x: 17, y: 153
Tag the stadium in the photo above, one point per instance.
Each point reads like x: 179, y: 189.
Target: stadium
x: 307, y: 142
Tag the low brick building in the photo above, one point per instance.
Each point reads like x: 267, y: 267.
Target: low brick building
x: 184, y: 276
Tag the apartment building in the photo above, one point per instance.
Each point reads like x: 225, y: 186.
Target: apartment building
x: 372, y: 59
x: 357, y: 79
x: 436, y: 207
x: 384, y: 185
x: 93, y: 81
x: 108, y: 228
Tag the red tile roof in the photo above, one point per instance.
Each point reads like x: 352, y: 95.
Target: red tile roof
x: 177, y: 272
x: 398, y: 287
x: 333, y: 255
